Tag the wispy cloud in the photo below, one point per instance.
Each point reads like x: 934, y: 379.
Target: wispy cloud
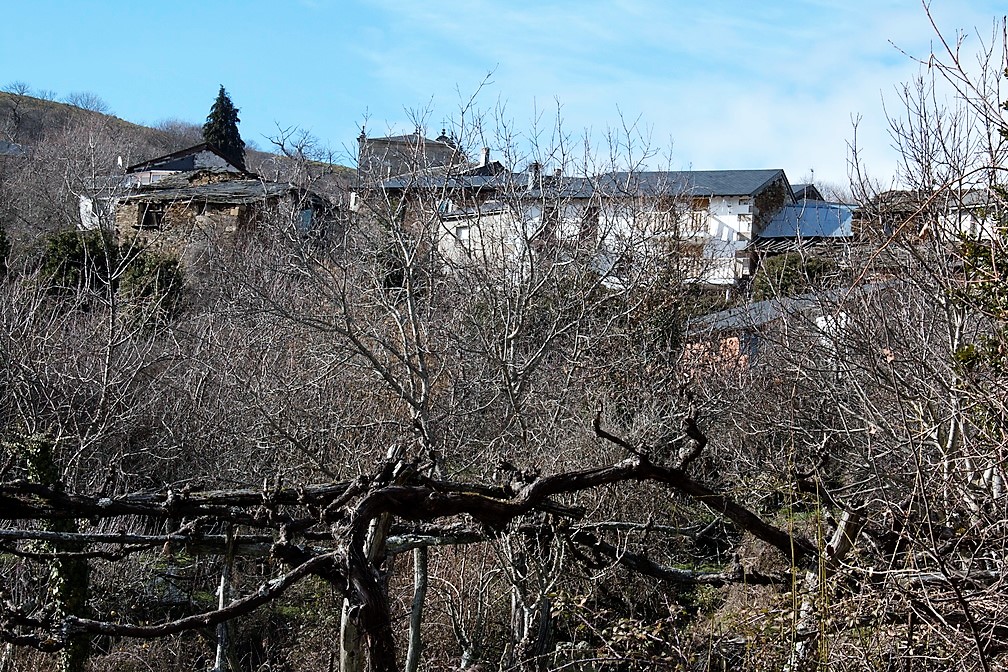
x: 734, y: 84
x: 728, y: 83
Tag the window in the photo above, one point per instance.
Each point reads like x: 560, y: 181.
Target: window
x: 305, y: 220
x: 150, y: 216
x: 462, y: 235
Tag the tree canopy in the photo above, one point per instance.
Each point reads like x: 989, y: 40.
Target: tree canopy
x: 221, y: 129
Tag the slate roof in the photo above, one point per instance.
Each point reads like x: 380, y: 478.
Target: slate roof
x: 11, y: 149
x: 438, y: 178
x: 808, y: 191
x: 228, y: 192
x: 491, y: 176
x: 811, y: 219
x: 749, y: 316
x: 761, y: 313
x: 558, y: 187
x: 691, y: 182
x: 650, y: 183
x: 409, y: 138
x: 194, y: 151
x: 978, y: 198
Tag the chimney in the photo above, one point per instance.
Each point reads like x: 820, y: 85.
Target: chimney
x: 485, y: 156
x: 534, y: 169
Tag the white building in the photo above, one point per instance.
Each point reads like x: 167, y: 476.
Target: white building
x: 708, y: 218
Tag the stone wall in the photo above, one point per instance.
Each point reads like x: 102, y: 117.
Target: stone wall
x: 179, y: 227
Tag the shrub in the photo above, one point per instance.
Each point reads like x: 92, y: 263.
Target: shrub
x: 153, y: 281
x: 790, y: 273
x: 75, y: 261
x: 149, y: 283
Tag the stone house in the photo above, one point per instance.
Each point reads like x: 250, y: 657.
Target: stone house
x: 189, y: 196
x: 181, y: 208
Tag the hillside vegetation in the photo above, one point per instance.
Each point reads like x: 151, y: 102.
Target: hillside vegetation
x: 28, y: 121
x: 294, y: 444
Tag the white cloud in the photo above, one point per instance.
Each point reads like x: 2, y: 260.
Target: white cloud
x: 734, y: 85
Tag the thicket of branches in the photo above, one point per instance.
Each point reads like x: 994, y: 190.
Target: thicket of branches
x: 366, y: 450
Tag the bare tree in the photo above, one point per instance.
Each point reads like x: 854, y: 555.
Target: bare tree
x: 471, y: 407
x: 87, y: 100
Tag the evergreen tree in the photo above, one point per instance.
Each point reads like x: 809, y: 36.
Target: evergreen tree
x: 221, y: 129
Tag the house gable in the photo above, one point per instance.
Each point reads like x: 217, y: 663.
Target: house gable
x: 203, y: 156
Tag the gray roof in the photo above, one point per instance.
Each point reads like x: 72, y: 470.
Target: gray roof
x: 11, y: 149
x: 811, y: 219
x: 201, y: 156
x: 493, y: 178
x: 228, y: 192
x: 978, y: 198
x: 691, y: 182
x: 411, y: 139
x: 804, y: 190
x: 749, y: 316
x: 651, y: 183
x: 437, y: 179
x: 761, y: 313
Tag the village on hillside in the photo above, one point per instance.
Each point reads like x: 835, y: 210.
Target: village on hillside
x: 471, y: 404
x: 715, y: 228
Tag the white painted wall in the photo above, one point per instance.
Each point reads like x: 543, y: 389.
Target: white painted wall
x: 723, y: 231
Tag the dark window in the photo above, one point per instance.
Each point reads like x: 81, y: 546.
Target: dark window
x: 150, y: 216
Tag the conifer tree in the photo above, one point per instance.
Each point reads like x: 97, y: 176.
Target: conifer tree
x: 221, y: 129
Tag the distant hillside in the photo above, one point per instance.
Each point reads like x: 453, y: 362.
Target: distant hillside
x: 27, y: 121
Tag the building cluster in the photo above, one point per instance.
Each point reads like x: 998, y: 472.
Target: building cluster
x: 718, y: 224
x: 194, y: 194
x: 722, y: 221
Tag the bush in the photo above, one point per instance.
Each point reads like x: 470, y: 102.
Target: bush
x: 153, y: 281
x: 790, y: 273
x: 75, y: 261
x: 148, y: 282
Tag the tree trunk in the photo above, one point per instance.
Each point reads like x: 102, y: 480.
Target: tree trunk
x: 536, y: 633
x: 531, y: 620
x: 70, y: 578
x: 420, y: 556
x: 351, y: 644
x: 370, y: 615
x: 360, y: 621
x: 223, y: 659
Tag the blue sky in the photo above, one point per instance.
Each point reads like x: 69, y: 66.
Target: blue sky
x: 714, y: 85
